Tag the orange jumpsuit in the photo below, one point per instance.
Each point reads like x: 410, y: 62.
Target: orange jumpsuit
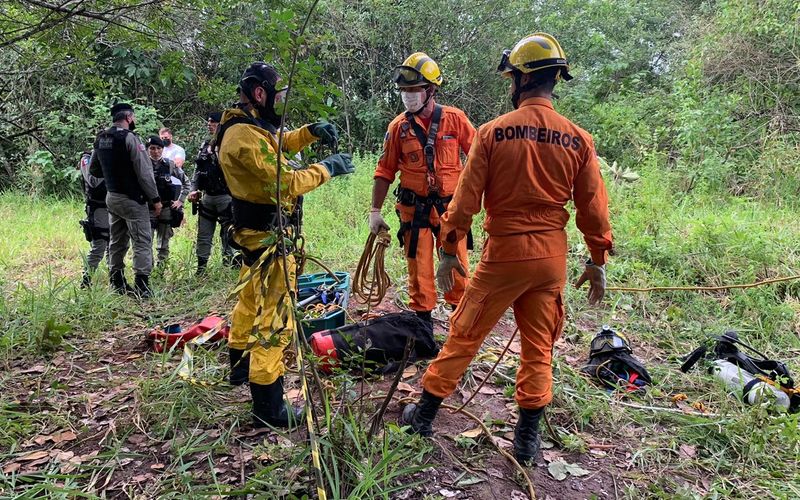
x: 403, y: 152
x: 525, y: 165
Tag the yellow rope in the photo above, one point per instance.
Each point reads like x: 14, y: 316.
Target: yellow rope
x: 368, y: 289
x: 702, y: 288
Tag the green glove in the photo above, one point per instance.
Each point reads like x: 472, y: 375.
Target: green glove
x: 338, y: 164
x: 326, y: 132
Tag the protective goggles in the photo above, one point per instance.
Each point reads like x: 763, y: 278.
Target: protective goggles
x: 406, y: 76
x: 609, y: 342
x: 505, y: 65
x: 280, y: 95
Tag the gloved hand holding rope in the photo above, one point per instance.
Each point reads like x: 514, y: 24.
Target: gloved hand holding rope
x: 372, y: 290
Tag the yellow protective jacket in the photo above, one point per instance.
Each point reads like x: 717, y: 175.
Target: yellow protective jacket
x: 251, y: 173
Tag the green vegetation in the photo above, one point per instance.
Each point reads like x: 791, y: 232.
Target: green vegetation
x: 693, y: 105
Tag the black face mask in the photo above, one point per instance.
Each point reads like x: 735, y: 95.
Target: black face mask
x: 267, y: 111
x: 166, y: 142
x: 132, y: 126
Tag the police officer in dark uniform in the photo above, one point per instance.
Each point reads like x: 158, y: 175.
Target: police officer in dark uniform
x: 212, y: 198
x: 173, y: 187
x: 120, y: 158
x: 95, y: 225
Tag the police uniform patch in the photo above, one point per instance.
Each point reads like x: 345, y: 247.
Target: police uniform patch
x: 140, y: 147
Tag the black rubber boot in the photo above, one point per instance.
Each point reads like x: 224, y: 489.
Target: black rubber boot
x: 142, y: 286
x: 526, y: 436
x: 270, y: 408
x: 420, y: 415
x: 201, y: 266
x: 119, y: 283
x: 240, y: 366
x: 86, y: 280
x: 425, y: 316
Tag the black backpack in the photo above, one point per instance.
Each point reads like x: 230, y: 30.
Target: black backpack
x: 611, y: 361
x: 380, y: 342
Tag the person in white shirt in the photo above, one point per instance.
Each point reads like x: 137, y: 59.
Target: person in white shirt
x: 171, y: 150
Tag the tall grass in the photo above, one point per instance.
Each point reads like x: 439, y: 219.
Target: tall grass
x: 664, y: 236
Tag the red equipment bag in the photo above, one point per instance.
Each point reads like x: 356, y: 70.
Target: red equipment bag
x: 162, y: 341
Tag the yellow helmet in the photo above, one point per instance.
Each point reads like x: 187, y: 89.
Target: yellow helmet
x: 417, y: 70
x: 532, y: 53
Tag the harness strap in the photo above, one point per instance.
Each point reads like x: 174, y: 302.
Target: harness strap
x: 428, y: 145
x: 422, y: 212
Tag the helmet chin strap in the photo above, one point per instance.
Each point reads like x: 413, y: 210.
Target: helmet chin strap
x: 519, y: 89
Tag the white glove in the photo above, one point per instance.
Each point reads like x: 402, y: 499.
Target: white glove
x: 376, y: 222
x: 596, y: 276
x: 444, y: 274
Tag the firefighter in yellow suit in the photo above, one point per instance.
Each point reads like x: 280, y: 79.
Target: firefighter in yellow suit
x: 248, y: 141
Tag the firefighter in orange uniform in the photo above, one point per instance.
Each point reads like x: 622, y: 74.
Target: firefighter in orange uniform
x: 423, y: 145
x: 525, y: 166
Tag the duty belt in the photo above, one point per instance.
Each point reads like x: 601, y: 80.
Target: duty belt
x: 422, y: 217
x: 222, y: 217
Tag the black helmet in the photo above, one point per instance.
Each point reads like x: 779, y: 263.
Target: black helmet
x: 155, y: 140
x: 259, y: 73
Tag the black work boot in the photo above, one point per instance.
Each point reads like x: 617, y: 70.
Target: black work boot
x: 201, y: 266
x: 269, y: 407
x: 86, y: 280
x: 526, y: 436
x: 142, y: 286
x: 240, y: 366
x: 119, y: 283
x: 425, y: 316
x: 420, y: 415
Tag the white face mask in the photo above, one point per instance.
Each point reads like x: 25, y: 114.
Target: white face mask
x: 413, y: 101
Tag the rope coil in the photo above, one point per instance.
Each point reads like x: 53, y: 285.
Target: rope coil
x: 371, y: 289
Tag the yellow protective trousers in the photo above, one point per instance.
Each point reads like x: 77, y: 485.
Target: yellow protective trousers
x: 267, y: 337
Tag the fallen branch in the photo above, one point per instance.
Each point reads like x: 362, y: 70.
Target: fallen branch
x: 664, y: 409
x: 494, y: 367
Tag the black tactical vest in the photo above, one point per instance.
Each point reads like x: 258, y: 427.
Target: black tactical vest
x: 210, y: 178
x: 163, y: 175
x: 115, y: 159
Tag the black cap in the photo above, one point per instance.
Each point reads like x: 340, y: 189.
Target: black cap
x: 216, y: 116
x: 155, y: 140
x: 261, y: 73
x: 120, y: 106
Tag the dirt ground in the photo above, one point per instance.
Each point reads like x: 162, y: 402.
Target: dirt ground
x: 95, y: 385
